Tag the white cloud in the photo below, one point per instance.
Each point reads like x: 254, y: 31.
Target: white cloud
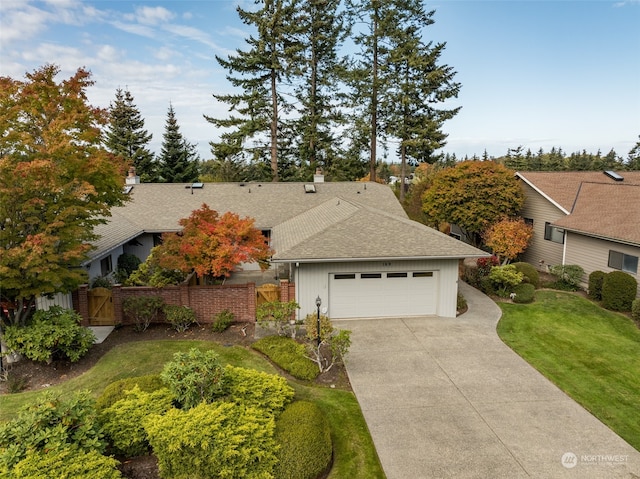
x: 164, y: 53
x: 135, y: 29
x: 151, y: 15
x: 107, y: 53
x: 21, y: 22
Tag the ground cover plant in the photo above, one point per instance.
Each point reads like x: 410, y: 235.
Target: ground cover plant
x: 588, y: 352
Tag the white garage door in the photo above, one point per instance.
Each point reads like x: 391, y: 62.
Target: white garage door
x: 371, y: 295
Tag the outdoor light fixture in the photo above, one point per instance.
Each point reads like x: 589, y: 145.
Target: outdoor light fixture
x: 318, y: 303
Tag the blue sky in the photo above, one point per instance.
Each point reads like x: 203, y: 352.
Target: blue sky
x: 533, y: 73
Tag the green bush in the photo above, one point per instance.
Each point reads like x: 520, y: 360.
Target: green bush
x: 596, y: 279
x: 524, y: 293
x: 52, y: 334
x: 179, y: 317
x: 122, y: 422
x: 461, y: 303
x: 569, y: 275
x: 222, y: 321
x: 289, y: 355
x: 505, y: 278
x: 619, y: 289
x: 218, y: 440
x: 257, y: 389
x: 304, y: 437
x: 117, y: 389
x: 143, y: 309
x: 48, y: 423
x: 127, y: 264
x: 194, y: 377
x: 278, y: 313
x: 101, y: 282
x: 65, y: 462
x: 635, y: 311
x: 531, y: 274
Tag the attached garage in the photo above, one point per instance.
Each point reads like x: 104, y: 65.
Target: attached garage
x: 383, y: 294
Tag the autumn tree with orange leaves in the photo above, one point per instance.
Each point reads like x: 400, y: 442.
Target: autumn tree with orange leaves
x: 212, y: 245
x: 56, y: 183
x: 509, y: 238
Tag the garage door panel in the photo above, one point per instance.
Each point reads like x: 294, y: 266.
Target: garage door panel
x: 353, y: 295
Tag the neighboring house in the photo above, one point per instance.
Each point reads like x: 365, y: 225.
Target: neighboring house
x: 349, y: 243
x: 587, y: 218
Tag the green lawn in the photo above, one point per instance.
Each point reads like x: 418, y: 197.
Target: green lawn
x: 590, y: 353
x: 354, y: 453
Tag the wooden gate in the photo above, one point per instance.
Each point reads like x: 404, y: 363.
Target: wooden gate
x: 100, y: 307
x: 267, y: 293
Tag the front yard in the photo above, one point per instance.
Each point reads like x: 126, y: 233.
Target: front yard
x: 590, y: 353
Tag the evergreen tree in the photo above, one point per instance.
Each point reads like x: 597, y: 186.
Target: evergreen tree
x: 633, y: 158
x: 127, y: 138
x: 179, y: 161
x: 252, y: 135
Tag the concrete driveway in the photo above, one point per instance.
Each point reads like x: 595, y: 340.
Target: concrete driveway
x: 446, y: 398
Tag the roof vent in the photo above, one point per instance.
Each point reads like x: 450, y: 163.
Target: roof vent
x: 127, y: 189
x: 613, y: 175
x: 195, y: 185
x: 309, y: 188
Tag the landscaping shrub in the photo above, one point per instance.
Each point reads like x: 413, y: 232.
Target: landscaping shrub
x: 596, y: 279
x: 65, y: 462
x: 338, y: 342
x: 531, y: 274
x: 52, y: 334
x: 179, y: 317
x: 49, y: 423
x: 278, y: 313
x: 127, y: 264
x: 486, y: 264
x: 525, y: 293
x: 505, y: 278
x: 117, y: 389
x: 619, y: 289
x: 222, y: 321
x: 257, y: 389
x: 143, y: 309
x: 289, y: 355
x: 304, y: 437
x: 122, y: 422
x: 569, y: 275
x: 219, y: 440
x: 101, y: 282
x: 194, y: 377
x: 461, y: 303
x: 635, y: 311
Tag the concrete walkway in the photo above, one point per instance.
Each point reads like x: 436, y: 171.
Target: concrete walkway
x: 446, y: 398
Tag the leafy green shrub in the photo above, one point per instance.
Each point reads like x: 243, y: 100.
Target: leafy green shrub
x: 569, y: 275
x: 461, y: 303
x: 127, y: 264
x: 52, y: 334
x: 65, y: 462
x: 304, y: 437
x: 505, y: 278
x: 531, y: 274
x: 278, y: 313
x: 289, y: 355
x: 49, y: 423
x: 619, y: 289
x: 194, y: 377
x: 596, y: 279
x: 179, y: 317
x: 222, y: 321
x: 122, y: 422
x: 151, y: 274
x: 524, y: 293
x: 485, y: 265
x: 117, y: 389
x: 143, y: 309
x: 257, y: 389
x: 635, y: 311
x: 218, y: 440
x: 101, y: 282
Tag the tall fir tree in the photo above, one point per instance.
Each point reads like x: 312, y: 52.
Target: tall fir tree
x: 127, y: 138
x: 178, y: 161
x: 633, y: 158
x: 258, y: 73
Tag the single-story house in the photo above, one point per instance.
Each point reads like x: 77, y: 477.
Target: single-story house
x: 587, y: 218
x: 349, y: 243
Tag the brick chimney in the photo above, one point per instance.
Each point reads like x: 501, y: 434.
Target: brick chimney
x: 132, y: 179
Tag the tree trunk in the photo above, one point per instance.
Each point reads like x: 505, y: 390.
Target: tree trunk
x: 274, y: 127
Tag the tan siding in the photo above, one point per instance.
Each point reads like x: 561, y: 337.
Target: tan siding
x: 593, y: 254
x: 541, y: 253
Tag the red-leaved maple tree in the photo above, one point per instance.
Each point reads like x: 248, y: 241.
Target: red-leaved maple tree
x: 212, y: 244
x: 509, y: 237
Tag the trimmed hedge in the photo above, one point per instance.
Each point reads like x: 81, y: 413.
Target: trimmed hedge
x: 289, y: 355
x: 249, y: 387
x: 531, y: 274
x: 525, y: 293
x: 117, y: 389
x: 596, y: 278
x: 635, y: 311
x: 304, y: 437
x: 65, y: 462
x: 619, y: 289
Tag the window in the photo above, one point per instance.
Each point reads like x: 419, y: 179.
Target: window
x: 528, y: 221
x: 396, y: 275
x: 551, y: 233
x: 370, y: 276
x: 344, y: 276
x: 624, y: 262
x: 423, y: 274
x: 105, y: 266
